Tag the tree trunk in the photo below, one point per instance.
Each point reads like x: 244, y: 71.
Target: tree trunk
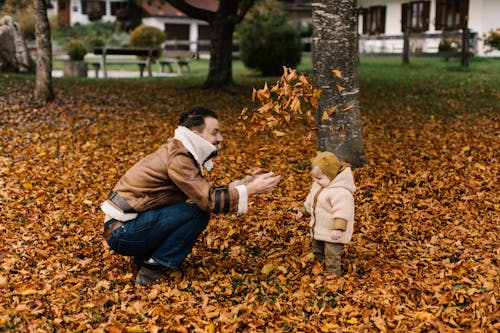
x: 334, y: 47
x: 406, y: 36
x: 222, y: 24
x: 221, y: 55
x: 43, y: 86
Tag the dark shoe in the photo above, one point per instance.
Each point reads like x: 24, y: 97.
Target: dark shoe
x: 135, y: 264
x: 147, y: 276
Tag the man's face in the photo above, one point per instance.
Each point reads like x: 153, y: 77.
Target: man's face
x: 211, y: 132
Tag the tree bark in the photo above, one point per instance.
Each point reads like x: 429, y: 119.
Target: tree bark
x: 222, y: 24
x: 43, y: 87
x: 220, y: 71
x: 334, y: 47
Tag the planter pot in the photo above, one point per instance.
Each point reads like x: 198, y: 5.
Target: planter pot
x: 74, y: 68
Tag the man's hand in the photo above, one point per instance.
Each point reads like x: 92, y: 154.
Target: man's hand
x: 262, y: 183
x: 299, y: 216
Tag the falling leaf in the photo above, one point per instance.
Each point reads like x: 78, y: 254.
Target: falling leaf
x: 338, y: 74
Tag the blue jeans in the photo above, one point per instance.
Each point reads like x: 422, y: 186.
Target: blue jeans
x: 166, y: 234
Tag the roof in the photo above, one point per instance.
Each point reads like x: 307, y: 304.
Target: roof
x: 156, y: 8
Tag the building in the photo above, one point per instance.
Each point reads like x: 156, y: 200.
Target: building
x: 383, y: 22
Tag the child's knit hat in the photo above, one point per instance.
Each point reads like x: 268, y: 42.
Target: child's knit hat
x: 328, y: 163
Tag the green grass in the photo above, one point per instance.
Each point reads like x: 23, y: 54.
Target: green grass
x: 424, y: 87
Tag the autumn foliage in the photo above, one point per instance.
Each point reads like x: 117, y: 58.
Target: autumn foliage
x: 424, y: 256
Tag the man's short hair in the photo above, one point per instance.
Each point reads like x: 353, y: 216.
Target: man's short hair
x: 195, y: 117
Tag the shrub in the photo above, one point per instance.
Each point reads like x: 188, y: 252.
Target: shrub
x: 76, y: 50
x: 94, y: 34
x: 493, y: 39
x: 268, y: 41
x: 447, y: 45
x: 147, y: 36
x: 26, y: 20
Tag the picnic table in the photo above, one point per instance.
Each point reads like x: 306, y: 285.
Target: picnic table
x: 145, y: 58
x: 181, y: 58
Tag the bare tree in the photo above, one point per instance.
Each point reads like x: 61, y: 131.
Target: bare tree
x: 222, y: 24
x: 43, y: 87
x: 335, y: 48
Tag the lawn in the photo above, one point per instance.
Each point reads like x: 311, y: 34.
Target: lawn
x: 424, y: 256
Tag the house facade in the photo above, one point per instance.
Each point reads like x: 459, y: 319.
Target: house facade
x: 70, y: 12
x: 382, y: 24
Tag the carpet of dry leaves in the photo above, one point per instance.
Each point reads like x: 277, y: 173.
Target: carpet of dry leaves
x: 424, y: 257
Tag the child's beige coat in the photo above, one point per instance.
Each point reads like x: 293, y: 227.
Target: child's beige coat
x: 334, y: 201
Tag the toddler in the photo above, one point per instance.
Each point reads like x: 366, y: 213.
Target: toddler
x: 330, y: 204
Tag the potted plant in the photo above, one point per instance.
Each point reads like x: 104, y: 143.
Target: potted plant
x: 75, y: 66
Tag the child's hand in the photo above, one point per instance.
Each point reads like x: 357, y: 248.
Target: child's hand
x: 335, y: 234
x: 299, y: 216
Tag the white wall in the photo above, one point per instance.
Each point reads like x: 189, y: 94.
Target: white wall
x: 76, y: 15
x: 484, y: 15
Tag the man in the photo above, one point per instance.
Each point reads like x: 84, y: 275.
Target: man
x: 162, y: 204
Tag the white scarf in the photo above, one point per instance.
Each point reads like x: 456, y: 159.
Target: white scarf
x: 200, y: 148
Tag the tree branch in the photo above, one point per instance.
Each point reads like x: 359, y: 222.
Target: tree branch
x: 194, y: 12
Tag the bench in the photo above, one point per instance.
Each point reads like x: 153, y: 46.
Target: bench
x: 144, y: 62
x: 180, y: 58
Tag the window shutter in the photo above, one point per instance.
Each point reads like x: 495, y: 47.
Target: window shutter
x: 427, y: 6
x: 464, y: 13
x: 366, y: 23
x: 382, y: 20
x: 404, y: 16
x: 440, y: 10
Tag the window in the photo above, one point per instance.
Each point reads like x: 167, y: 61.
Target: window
x: 451, y: 14
x: 374, y: 20
x: 415, y: 16
x: 119, y: 8
x: 89, y: 6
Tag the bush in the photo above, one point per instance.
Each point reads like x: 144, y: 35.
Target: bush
x: 268, y: 41
x: 76, y: 50
x: 447, y: 45
x: 94, y: 35
x: 26, y: 20
x: 493, y: 39
x: 146, y: 36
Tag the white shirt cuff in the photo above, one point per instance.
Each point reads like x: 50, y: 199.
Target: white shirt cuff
x: 115, y: 213
x: 243, y: 201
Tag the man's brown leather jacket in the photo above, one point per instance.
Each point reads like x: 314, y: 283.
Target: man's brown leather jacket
x: 169, y: 176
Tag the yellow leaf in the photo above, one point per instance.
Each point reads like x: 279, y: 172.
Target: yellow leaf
x: 27, y: 186
x: 327, y: 327
x: 465, y: 149
x: 134, y: 329
x: 230, y: 233
x: 29, y: 291
x: 278, y: 133
x: 423, y: 315
x: 338, y: 74
x: 210, y: 328
x: 480, y: 166
x: 267, y: 268
x: 352, y: 321
x: 325, y: 116
x: 339, y: 88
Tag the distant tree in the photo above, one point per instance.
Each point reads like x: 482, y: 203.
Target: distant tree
x: 335, y: 72
x: 268, y: 40
x: 222, y: 24
x: 43, y: 87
